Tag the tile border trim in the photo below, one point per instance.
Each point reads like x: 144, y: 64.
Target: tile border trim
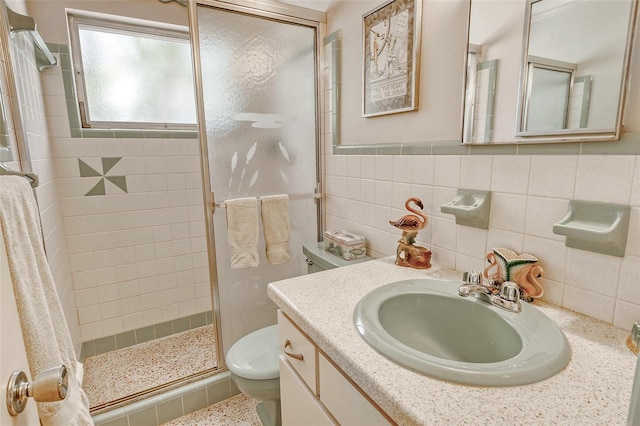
x: 144, y: 334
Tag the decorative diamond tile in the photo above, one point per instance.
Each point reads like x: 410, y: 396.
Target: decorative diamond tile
x: 108, y: 163
x: 99, y: 189
x: 86, y: 170
x: 119, y: 182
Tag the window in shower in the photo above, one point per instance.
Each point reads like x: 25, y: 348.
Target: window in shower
x: 132, y: 74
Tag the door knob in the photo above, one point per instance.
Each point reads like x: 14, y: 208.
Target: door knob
x: 49, y: 386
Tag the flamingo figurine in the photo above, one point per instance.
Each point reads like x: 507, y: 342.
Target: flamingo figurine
x: 411, y: 222
x: 408, y: 253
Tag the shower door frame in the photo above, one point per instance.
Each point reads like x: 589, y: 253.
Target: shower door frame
x: 287, y: 14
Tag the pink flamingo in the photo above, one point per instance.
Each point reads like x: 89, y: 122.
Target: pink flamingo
x: 411, y: 222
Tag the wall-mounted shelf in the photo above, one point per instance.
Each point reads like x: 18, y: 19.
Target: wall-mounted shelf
x: 471, y: 207
x: 595, y: 226
x: 18, y: 22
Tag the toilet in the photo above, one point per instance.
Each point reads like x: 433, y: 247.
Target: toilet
x: 253, y: 360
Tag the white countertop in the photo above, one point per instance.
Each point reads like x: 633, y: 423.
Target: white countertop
x: 595, y: 388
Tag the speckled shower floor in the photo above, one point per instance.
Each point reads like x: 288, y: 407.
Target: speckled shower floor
x: 239, y: 410
x: 119, y: 374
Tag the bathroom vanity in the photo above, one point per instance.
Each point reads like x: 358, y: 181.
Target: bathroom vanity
x: 340, y: 375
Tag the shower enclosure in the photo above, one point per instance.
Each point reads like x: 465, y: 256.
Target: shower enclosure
x: 256, y: 83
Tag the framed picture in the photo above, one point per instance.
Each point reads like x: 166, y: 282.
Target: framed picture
x: 391, y: 42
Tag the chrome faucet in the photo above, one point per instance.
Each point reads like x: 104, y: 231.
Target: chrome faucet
x: 504, y: 295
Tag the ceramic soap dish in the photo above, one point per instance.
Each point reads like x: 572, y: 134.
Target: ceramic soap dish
x: 595, y: 226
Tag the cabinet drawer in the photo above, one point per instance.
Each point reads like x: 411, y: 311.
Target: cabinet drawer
x: 299, y: 405
x: 343, y: 400
x: 299, y: 350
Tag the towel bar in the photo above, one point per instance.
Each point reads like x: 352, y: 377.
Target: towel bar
x: 32, y: 177
x: 221, y: 204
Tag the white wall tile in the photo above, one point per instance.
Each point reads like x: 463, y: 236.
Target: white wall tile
x: 476, y: 172
x: 553, y: 175
x: 542, y: 214
x: 368, y: 190
x: 508, y: 212
x: 447, y: 171
x: 425, y: 194
x: 605, y: 178
x: 471, y: 241
x: 401, y: 192
x: 593, y: 304
x: 384, y: 193
x: 626, y: 314
x: 422, y: 169
x: 511, y: 174
x: 368, y: 166
x: 635, y: 192
x: 402, y: 168
x: 88, y: 314
x: 553, y: 291
x: 353, y: 166
x: 498, y: 238
x: 629, y: 286
x: 593, y: 272
x: 384, y: 167
x: 443, y: 233
x: 633, y: 239
x: 552, y: 255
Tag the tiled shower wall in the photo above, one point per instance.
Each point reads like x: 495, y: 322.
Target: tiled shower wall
x: 35, y: 122
x: 134, y: 221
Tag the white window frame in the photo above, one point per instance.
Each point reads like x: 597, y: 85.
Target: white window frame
x: 117, y: 25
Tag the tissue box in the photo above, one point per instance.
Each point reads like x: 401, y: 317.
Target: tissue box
x: 345, y: 244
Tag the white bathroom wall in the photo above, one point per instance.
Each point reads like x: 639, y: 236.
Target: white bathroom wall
x: 530, y: 192
x: 38, y: 141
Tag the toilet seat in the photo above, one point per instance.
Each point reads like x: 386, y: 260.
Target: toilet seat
x: 255, y: 356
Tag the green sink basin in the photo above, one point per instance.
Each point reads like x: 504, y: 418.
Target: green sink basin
x: 426, y: 326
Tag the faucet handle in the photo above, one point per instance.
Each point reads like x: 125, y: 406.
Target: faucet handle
x: 472, y: 277
x: 510, y: 291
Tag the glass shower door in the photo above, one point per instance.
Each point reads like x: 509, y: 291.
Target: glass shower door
x: 258, y: 96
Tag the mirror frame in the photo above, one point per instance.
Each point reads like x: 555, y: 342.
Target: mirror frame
x: 572, y: 135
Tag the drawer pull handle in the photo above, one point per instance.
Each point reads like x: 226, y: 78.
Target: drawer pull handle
x: 292, y: 355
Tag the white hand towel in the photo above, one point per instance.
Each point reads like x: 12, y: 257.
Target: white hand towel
x: 46, y: 335
x: 275, y: 221
x: 242, y: 232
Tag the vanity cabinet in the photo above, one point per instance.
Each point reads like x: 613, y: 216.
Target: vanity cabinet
x: 313, y: 390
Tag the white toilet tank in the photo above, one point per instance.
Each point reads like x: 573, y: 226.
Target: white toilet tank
x: 320, y: 260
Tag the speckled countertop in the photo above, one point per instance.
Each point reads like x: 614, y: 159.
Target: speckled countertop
x: 595, y: 388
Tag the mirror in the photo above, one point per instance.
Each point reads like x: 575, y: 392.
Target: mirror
x: 570, y: 83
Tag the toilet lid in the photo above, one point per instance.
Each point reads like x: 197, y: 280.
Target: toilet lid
x: 255, y: 356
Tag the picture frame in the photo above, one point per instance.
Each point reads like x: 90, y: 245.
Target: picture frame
x: 391, y: 57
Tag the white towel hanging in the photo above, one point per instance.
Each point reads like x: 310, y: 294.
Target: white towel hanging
x: 275, y: 222
x: 243, y: 232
